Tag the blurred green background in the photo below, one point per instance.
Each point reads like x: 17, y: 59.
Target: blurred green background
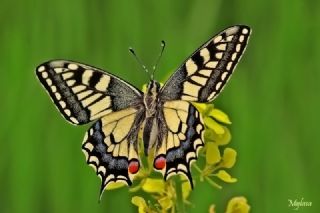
x: 272, y: 99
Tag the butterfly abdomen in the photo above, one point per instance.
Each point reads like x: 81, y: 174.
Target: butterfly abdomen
x: 150, y: 133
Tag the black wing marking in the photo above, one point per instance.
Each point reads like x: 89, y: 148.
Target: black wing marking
x: 204, y: 74
x: 83, y: 93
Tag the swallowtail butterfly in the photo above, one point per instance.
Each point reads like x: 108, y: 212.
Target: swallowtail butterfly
x: 171, y: 126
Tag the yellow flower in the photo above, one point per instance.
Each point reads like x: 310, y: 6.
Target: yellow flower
x: 219, y: 139
x: 212, y: 209
x: 216, y: 135
x: 142, y: 205
x: 215, y: 126
x: 213, y: 119
x: 165, y: 203
x: 229, y: 158
x: 223, y: 175
x: 201, y: 107
x: 152, y: 185
x: 238, y: 205
x: 163, y: 192
x: 219, y: 116
x: 212, y: 153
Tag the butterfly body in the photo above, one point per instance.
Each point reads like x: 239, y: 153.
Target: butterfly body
x: 172, y: 128
x: 152, y: 116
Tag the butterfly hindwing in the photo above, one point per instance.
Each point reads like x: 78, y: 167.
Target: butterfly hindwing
x: 84, y: 93
x: 111, y: 147
x: 181, y: 139
x: 204, y: 74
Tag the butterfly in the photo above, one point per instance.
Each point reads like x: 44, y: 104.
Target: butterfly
x: 172, y: 128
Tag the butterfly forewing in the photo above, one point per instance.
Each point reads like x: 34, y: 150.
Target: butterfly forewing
x: 84, y: 93
x: 204, y: 74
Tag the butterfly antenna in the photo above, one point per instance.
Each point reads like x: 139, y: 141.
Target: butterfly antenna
x: 138, y: 60
x: 163, y: 45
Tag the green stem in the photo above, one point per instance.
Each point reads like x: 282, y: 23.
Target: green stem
x: 211, y: 182
x: 179, y: 198
x: 197, y: 168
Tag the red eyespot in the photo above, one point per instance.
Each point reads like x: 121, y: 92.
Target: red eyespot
x: 133, y: 166
x: 160, y: 163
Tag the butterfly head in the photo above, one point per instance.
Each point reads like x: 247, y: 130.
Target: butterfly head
x: 153, y: 87
x: 150, y: 98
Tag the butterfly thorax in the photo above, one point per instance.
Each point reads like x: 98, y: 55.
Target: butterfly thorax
x: 151, y: 97
x: 150, y: 131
